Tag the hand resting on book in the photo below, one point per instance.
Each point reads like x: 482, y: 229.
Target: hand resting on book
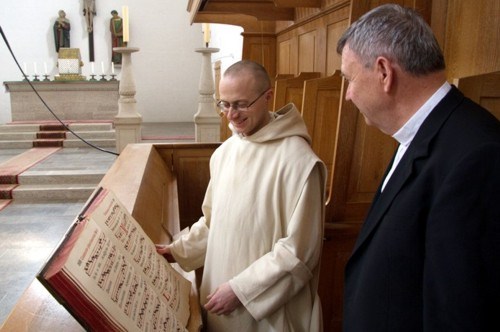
x: 164, y: 250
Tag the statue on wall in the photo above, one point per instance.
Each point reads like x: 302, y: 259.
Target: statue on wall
x: 116, y: 27
x: 62, y: 27
x: 89, y: 12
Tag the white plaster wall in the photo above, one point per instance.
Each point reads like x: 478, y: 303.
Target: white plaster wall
x: 166, y: 69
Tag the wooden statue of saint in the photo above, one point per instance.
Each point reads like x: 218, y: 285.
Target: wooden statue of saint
x: 61, y: 29
x: 116, y: 27
x: 89, y: 12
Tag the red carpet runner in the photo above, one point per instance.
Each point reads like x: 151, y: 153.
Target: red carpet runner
x: 50, y: 135
x: 10, y: 170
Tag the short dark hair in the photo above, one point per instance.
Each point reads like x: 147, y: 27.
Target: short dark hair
x: 397, y: 33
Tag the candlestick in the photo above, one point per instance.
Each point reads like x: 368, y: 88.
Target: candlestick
x: 112, y: 67
x: 102, y: 67
x: 92, y: 67
x: 45, y: 68
x: 125, y: 29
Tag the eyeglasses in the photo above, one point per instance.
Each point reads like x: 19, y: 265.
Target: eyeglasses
x: 224, y: 106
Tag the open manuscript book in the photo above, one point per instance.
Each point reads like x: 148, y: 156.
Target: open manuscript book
x: 106, y: 272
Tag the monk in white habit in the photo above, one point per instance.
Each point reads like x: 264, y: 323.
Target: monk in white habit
x: 260, y: 237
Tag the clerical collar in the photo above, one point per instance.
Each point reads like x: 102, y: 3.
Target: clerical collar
x: 406, y: 133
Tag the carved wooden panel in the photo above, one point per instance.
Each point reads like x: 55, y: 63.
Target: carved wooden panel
x: 191, y: 165
x: 320, y: 111
x: 307, y: 51
x: 291, y: 90
x: 361, y: 158
x: 338, y: 243
x: 284, y: 60
x: 472, y: 38
x: 334, y: 31
x: 260, y: 48
x: 311, y: 44
x: 483, y: 89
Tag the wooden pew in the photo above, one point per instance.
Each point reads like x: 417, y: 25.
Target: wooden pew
x: 483, y: 89
x: 320, y: 111
x: 146, y: 179
x: 283, y: 76
x: 290, y: 90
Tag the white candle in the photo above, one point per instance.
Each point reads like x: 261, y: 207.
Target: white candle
x: 92, y: 67
x: 34, y: 68
x: 112, y: 68
x: 45, y: 67
x: 102, y: 67
x: 125, y: 29
x: 206, y: 33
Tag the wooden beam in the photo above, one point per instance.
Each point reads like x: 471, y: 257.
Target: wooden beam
x: 261, y: 10
x: 297, y: 3
x: 193, y: 8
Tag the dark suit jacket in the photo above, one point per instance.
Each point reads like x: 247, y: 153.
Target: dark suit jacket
x: 428, y: 255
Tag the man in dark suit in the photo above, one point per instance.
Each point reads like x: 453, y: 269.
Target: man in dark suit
x: 428, y: 255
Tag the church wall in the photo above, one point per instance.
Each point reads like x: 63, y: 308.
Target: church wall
x: 166, y: 69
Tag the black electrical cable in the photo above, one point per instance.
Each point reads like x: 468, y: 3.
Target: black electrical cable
x: 45, y: 104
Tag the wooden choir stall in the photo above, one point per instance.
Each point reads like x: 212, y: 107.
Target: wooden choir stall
x: 292, y: 38
x: 162, y: 186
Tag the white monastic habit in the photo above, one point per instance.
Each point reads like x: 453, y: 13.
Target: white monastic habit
x: 262, y: 228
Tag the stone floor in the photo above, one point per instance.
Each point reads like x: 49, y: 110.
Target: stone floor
x: 30, y: 232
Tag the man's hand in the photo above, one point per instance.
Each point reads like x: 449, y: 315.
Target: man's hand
x: 222, y: 301
x: 164, y: 250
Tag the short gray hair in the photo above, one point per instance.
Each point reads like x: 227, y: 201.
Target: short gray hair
x: 397, y: 33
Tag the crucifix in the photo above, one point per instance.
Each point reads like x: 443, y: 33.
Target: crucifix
x: 89, y: 12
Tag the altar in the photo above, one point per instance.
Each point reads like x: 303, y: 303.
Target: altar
x: 69, y: 100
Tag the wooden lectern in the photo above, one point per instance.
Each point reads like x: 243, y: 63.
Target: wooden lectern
x: 162, y: 186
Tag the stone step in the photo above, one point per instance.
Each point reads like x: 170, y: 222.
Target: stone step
x: 68, y: 143
x: 17, y: 136
x: 51, y: 135
x: 109, y: 134
x: 16, y: 144
x: 27, y: 136
x: 60, y: 177
x: 51, y: 193
x: 35, y: 127
x: 19, y: 128
x: 91, y: 126
x: 102, y: 143
x: 57, y: 185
